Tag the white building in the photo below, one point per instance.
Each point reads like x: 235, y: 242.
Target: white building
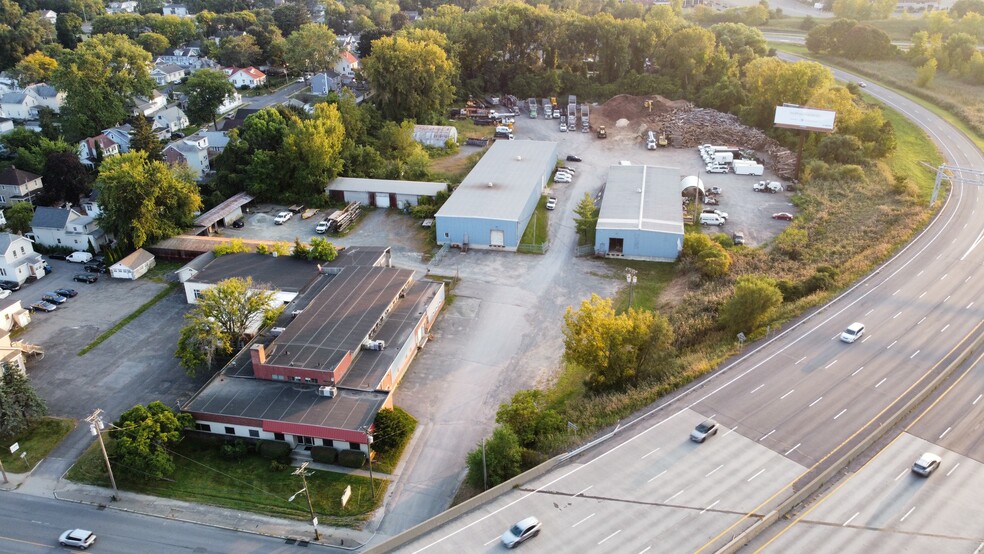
x: 66, y: 228
x: 172, y: 119
x: 18, y: 186
x: 89, y: 149
x: 179, y: 10
x: 149, y: 106
x: 133, y: 266
x: 192, y: 152
x: 347, y: 63
x: 18, y: 260
x: 245, y: 76
x: 165, y: 73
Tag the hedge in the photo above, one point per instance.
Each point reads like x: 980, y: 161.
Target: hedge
x: 324, y: 454
x: 274, y: 450
x: 351, y: 458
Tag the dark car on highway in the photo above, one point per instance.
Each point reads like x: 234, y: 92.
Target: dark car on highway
x: 85, y: 278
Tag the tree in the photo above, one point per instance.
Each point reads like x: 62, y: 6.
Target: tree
x: 391, y: 429
x: 750, y: 305
x: 155, y: 43
x: 687, y: 55
x: 143, y: 437
x: 500, y: 458
x: 312, y: 48
x: 239, y: 51
x: 528, y: 417
x: 34, y: 68
x: 604, y: 343
x: 68, y: 27
x: 111, y: 68
x: 714, y: 262
x: 322, y: 250
x: 145, y: 200
x: 587, y: 219
x: 960, y: 8
x: 207, y: 89
x: 843, y: 149
x: 290, y: 17
x: 19, y: 217
x: 20, y: 33
x: 926, y: 74
x: 65, y: 178
x: 20, y: 405
x: 143, y: 139
x: 314, y: 147
x: 411, y: 80
x: 234, y: 246
x: 201, y: 344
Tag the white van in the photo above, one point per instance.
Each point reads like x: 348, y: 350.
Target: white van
x: 650, y: 141
x: 711, y: 219
x: 503, y: 129
x: 79, y: 257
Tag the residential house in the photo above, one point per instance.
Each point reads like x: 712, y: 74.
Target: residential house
x: 188, y: 57
x: 173, y: 119
x: 12, y: 314
x: 18, y: 186
x: 166, y: 73
x: 90, y: 204
x: 121, y: 135
x: 128, y: 6
x: 149, y: 106
x: 179, y: 10
x: 50, y: 16
x: 66, y: 228
x: 191, y: 151
x: 6, y: 125
x: 89, y: 149
x: 133, y: 266
x: 230, y: 103
x: 3, y: 219
x: 347, y: 63
x: 17, y: 105
x: 18, y: 260
x: 217, y: 141
x: 12, y: 353
x: 245, y: 76
x: 47, y: 96
x: 323, y: 83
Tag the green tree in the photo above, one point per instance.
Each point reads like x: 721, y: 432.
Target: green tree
x: 178, y: 30
x: 145, y: 200
x: 411, y: 80
x: 322, y: 250
x: 111, y: 68
x: 234, y: 246
x: 311, y: 48
x: 843, y: 149
x: 314, y: 147
x: 34, y: 68
x: 528, y: 417
x: 714, y: 262
x: 604, y: 343
x: 926, y: 74
x: 751, y: 304
x: 20, y: 405
x: 291, y: 17
x: 143, y: 437
x: 500, y: 458
x: 155, y: 43
x: 300, y: 250
x: 391, y: 429
x: 770, y: 82
x: 65, y: 179
x: 688, y: 55
x: 961, y: 8
x: 20, y: 33
x: 201, y: 345
x: 68, y: 27
x: 143, y: 139
x: 239, y: 51
x: 586, y: 219
x: 19, y: 217
x: 207, y: 89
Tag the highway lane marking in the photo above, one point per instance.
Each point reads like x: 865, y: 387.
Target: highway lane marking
x: 651, y: 452
x: 674, y: 496
x: 945, y: 327
x: 492, y: 541
x: 787, y: 394
x: 896, y: 292
x: 944, y: 277
x: 11, y: 539
x: 761, y: 471
x: 920, y: 321
x: 976, y: 400
x: 969, y: 277
x: 903, y: 474
x: 800, y: 360
x: 644, y: 550
x: 757, y: 388
x: 830, y: 364
x: 896, y: 315
x: 907, y: 514
x: 914, y: 354
x: 790, y: 451
x: 923, y: 294
x: 969, y: 305
x: 947, y: 297
x: 815, y: 401
x: 856, y: 371
x: 654, y: 478
x: 973, y: 245
x: 583, y: 520
x: 945, y: 432
x: 712, y: 471
x: 840, y: 413
x: 767, y: 435
x: 869, y: 312
x: 584, y: 491
x: 891, y: 345
x: 921, y: 271
x: 882, y: 381
x: 711, y: 506
x: 850, y: 519
x: 610, y: 536
x: 864, y: 340
x: 952, y: 470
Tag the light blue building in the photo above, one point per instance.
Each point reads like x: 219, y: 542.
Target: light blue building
x: 492, y: 206
x: 641, y: 217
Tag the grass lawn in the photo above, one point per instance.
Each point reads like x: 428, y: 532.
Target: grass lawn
x: 651, y: 279
x: 204, y: 476
x: 161, y: 269
x: 37, y: 441
x: 536, y: 229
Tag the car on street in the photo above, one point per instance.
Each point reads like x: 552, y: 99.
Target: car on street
x: 521, y: 532
x: 926, y: 464
x: 861, y: 84
x: 716, y: 168
x: 282, y: 218
x: 853, y: 332
x: 53, y: 298
x: 10, y: 285
x: 85, y: 277
x: 573, y: 158
x: 300, y: 79
x: 706, y: 428
x: 551, y: 203
x: 79, y: 257
x: 79, y: 538
x: 67, y: 293
x: 42, y: 306
x: 239, y: 223
x: 783, y: 216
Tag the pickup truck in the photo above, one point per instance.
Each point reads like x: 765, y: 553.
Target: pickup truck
x: 322, y: 227
x: 282, y: 218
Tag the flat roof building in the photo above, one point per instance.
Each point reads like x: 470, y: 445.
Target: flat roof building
x: 641, y: 214
x: 383, y: 193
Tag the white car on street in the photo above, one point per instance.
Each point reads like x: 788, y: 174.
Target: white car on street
x: 79, y: 538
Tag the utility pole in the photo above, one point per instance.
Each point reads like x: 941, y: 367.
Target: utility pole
x: 314, y: 521
x: 372, y: 485
x: 96, y: 426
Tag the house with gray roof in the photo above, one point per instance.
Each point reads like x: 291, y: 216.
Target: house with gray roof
x: 172, y: 119
x: 164, y: 73
x: 191, y: 151
x: 17, y: 105
x: 18, y: 186
x: 18, y: 260
x: 66, y: 228
x: 121, y: 135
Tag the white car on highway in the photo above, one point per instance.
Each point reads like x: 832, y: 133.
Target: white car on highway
x: 853, y: 332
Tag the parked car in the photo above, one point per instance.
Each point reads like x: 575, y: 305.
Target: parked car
x: 706, y: 428
x: 79, y: 538
x: 561, y: 172
x: 521, y: 532
x: 573, y: 158
x: 716, y: 168
x: 759, y: 186
x: 4, y: 294
x: 563, y: 178
x: 239, y: 223
x: 42, y: 306
x: 711, y: 201
x: 853, y: 332
x: 567, y: 169
x: 95, y: 268
x: 715, y: 190
x: 551, y: 203
x: 563, y: 127
x: 58, y: 256
x: 10, y: 285
x: 926, y: 464
x: 712, y: 219
x: 783, y: 216
x: 79, y: 257
x: 54, y: 298
x: 714, y: 211
x: 300, y: 79
x: 282, y: 218
x: 85, y: 278
x: 738, y: 238
x: 322, y: 227
x: 67, y: 293
x: 48, y: 268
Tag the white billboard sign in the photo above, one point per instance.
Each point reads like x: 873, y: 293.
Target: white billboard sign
x: 807, y: 119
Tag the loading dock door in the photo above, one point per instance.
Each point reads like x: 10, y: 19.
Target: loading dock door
x: 497, y: 238
x: 382, y: 200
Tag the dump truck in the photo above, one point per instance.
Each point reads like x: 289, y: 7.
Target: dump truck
x: 531, y: 102
x: 585, y: 118
x: 572, y: 116
x: 602, y: 133
x: 547, y: 109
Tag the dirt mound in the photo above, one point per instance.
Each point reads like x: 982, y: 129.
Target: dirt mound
x: 632, y: 108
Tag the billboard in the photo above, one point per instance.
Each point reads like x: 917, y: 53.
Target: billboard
x: 807, y: 119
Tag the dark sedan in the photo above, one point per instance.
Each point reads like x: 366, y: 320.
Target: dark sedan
x: 58, y: 256
x: 573, y: 158
x: 9, y: 285
x: 85, y: 278
x: 42, y: 306
x: 96, y: 268
x: 54, y: 298
x: 67, y: 293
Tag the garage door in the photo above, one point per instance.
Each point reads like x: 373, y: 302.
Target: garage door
x: 382, y: 200
x: 497, y: 238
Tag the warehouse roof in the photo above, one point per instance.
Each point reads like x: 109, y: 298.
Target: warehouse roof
x: 418, y: 188
x: 502, y: 181
x: 642, y: 197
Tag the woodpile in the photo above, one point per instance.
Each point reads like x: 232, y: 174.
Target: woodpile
x: 341, y: 219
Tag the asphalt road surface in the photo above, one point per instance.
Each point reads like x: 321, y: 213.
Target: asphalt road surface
x: 789, y: 409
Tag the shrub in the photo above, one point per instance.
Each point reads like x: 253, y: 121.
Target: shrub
x: 393, y: 428
x: 502, y: 458
x: 234, y: 450
x: 277, y: 466
x: 274, y: 450
x: 324, y: 454
x: 714, y: 262
x: 351, y: 458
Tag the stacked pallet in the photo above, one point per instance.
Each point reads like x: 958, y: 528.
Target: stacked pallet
x: 341, y: 219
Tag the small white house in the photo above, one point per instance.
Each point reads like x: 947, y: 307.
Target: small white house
x: 179, y: 10
x: 245, y: 76
x: 133, y: 266
x: 192, y: 152
x: 18, y: 260
x: 347, y: 63
x: 173, y: 119
x: 165, y: 73
x: 50, y: 16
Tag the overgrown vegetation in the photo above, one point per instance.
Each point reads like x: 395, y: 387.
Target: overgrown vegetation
x: 37, y: 440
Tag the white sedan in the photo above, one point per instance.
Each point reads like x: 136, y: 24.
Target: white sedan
x: 563, y: 178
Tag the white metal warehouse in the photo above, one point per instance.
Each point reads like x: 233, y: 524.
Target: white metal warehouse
x: 382, y: 193
x: 493, y: 204
x: 435, y: 135
x: 641, y: 217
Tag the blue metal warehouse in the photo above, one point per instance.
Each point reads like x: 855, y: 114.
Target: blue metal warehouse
x: 641, y: 216
x: 494, y: 203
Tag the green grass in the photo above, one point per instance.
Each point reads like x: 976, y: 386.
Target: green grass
x: 161, y: 270
x: 37, y: 441
x: 126, y: 320
x: 536, y: 230
x: 651, y: 279
x: 203, y: 476
x: 912, y: 153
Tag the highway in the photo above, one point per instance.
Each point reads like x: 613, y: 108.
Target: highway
x: 790, y: 409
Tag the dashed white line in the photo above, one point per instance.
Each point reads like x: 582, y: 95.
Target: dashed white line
x: 644, y: 550
x: 654, y: 478
x: 714, y: 470
x: 903, y: 474
x: 711, y: 506
x: 609, y: 536
x: 800, y: 360
x: 952, y: 470
x: 761, y: 471
x: 649, y: 454
x: 586, y: 490
x: 923, y: 294
x: 674, y: 496
x: 732, y: 430
x: 969, y: 305
x: 850, y: 519
x: 582, y: 521
x: 976, y: 400
x: 880, y: 382
x: 767, y: 435
x: 865, y: 339
x: 790, y: 451
x: 787, y: 394
x: 896, y: 315
x: 815, y: 401
x: 896, y: 292
x: 920, y: 272
x: 944, y: 276
x: 914, y: 354
x: 840, y: 413
x: 869, y: 312
x: 830, y: 364
x: 945, y: 432
x: 947, y: 297
x: 756, y: 389
x: 945, y: 327
x: 920, y: 321
x: 907, y: 514
x: 491, y: 541
x: 856, y: 371
x: 891, y: 345
x: 969, y: 277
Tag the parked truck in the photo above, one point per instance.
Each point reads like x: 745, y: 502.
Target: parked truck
x: 572, y: 116
x: 748, y: 167
x: 547, y: 109
x: 650, y: 140
x: 723, y: 157
x: 531, y: 102
x: 555, y: 107
x: 602, y: 133
x: 571, y: 99
x: 585, y: 119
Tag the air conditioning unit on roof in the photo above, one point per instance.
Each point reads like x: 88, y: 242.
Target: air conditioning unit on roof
x: 329, y: 392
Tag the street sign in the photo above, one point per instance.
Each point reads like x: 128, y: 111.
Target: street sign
x: 314, y: 522
x: 14, y: 447
x: 345, y: 495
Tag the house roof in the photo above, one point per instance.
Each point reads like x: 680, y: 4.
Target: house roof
x: 283, y: 273
x: 224, y: 208
x: 355, y: 184
x: 169, y: 68
x: 434, y: 132
x: 44, y: 91
x: 349, y: 57
x: 50, y: 218
x: 6, y: 239
x: 101, y: 139
x: 171, y: 114
x: 14, y: 176
x: 250, y: 72
x: 136, y: 259
x: 16, y: 97
x: 639, y: 197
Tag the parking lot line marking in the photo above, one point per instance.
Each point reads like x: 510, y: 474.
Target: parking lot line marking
x: 914, y: 354
x: 952, y: 470
x: 582, y: 521
x: 856, y: 371
x: 713, y: 470
x: 907, y: 514
x: 582, y: 492
x: 674, y: 496
x: 945, y: 432
x: 815, y: 401
x: 891, y: 345
x: 869, y: 312
x: 787, y: 394
x: 945, y: 327
x: 901, y: 475
x: 651, y: 452
x: 756, y: 388
x: 800, y: 360
x: 790, y: 451
x: 765, y: 436
x: 850, y: 519
x: 711, y: 506
x: 830, y: 364
x: 491, y: 541
x: 896, y: 292
x: 896, y: 315
x: 976, y: 400
x: 840, y: 413
x: 609, y: 536
x: 923, y: 294
x: 761, y: 471
x: 654, y: 478
x: 880, y: 382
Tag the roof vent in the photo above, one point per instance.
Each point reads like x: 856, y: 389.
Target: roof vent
x: 639, y: 191
x: 519, y: 158
x: 490, y: 184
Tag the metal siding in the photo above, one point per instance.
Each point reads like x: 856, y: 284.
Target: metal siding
x: 382, y: 199
x: 402, y: 199
x: 360, y: 197
x: 640, y: 244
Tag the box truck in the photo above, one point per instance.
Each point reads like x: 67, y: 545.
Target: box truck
x: 746, y: 167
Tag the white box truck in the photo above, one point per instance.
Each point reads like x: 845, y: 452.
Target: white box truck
x: 650, y: 141
x: 748, y: 167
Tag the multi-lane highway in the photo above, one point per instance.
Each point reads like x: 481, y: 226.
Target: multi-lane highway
x: 791, y: 409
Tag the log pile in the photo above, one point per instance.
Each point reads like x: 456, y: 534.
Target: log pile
x: 341, y: 219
